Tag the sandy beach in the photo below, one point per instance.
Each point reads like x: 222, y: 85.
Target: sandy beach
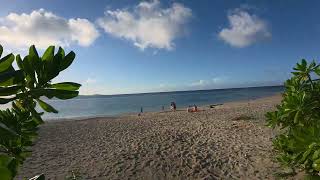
x: 211, y: 144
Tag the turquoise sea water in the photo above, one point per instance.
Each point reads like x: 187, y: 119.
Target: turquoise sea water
x: 112, y: 105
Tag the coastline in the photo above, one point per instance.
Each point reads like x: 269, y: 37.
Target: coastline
x: 208, y: 144
x: 205, y: 106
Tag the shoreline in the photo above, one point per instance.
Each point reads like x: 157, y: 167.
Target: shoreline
x: 211, y: 144
x: 206, y: 106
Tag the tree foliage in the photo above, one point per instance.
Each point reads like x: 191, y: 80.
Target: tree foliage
x: 24, y: 87
x: 298, y: 116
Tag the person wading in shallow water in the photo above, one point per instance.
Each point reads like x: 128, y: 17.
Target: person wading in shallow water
x: 173, y: 106
x: 141, y: 111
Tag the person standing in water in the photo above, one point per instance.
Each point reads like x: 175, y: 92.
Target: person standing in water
x: 141, y: 111
x: 173, y: 106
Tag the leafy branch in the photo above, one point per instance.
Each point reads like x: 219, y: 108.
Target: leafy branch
x: 24, y: 88
x: 298, y: 115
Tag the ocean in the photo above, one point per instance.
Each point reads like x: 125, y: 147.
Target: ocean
x: 113, y: 105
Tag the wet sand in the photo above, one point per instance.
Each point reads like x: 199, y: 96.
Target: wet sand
x: 211, y: 144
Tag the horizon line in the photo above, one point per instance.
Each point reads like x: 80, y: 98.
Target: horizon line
x: 180, y: 91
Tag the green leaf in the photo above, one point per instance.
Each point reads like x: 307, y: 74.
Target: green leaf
x: 5, y: 160
x: 5, y: 101
x: 36, y: 117
x: 58, y: 93
x: 61, y: 52
x: 63, y: 94
x: 10, y: 77
x: 66, y: 95
x: 71, y: 86
x: 6, y: 132
x: 67, y: 60
x: 311, y: 177
x: 1, y: 50
x: 316, y: 154
x: 297, y: 117
x: 29, y: 70
x: 54, y: 66
x: 305, y: 155
x: 18, y: 106
x: 19, y: 61
x: 312, y: 64
x: 7, y: 91
x: 304, y: 63
x: 6, y: 62
x: 48, y: 54
x: 317, y: 70
x: 33, y: 52
x: 51, y: 63
x: 5, y: 174
x: 34, y: 58
x: 316, y: 165
x: 46, y: 106
x: 312, y: 145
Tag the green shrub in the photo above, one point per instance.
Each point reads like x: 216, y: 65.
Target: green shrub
x: 24, y: 88
x: 298, y: 116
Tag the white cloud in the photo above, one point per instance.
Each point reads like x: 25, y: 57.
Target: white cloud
x: 147, y: 25
x: 218, y: 79
x: 44, y: 28
x: 93, y: 90
x: 90, y: 81
x: 244, y: 30
x: 90, y: 87
x: 214, y: 83
x: 200, y: 83
x: 93, y: 85
x: 162, y: 85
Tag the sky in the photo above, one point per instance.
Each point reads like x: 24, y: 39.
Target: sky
x: 130, y: 46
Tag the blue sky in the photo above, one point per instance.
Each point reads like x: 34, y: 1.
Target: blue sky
x: 127, y: 46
